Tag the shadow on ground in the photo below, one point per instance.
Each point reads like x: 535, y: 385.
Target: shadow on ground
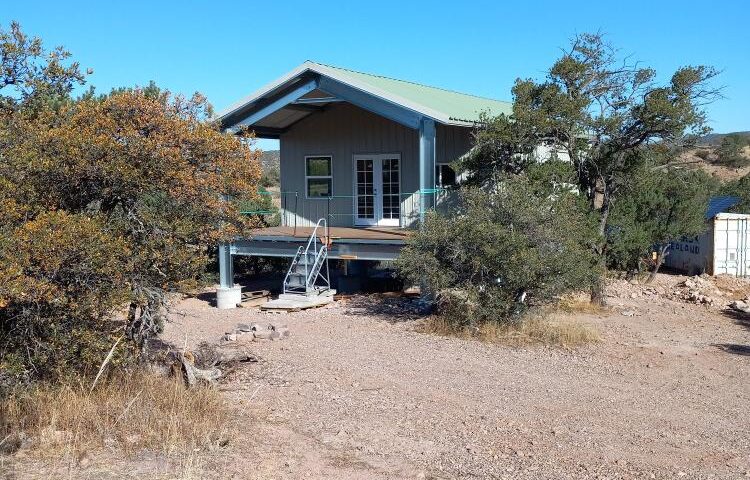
x: 740, y: 318
x: 743, y: 320
x: 272, y: 283
x: 734, y: 348
x: 208, y: 297
x: 393, y: 308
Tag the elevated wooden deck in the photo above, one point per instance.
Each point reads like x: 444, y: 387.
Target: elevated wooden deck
x: 348, y: 243
x: 337, y: 233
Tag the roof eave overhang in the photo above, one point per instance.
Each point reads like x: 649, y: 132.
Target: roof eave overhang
x: 293, y: 86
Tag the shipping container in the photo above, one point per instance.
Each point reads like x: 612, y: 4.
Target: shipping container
x: 723, y: 249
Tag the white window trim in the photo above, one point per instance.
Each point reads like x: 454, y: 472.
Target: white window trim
x: 378, y: 221
x: 307, y: 193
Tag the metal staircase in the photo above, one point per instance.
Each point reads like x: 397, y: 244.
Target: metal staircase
x: 308, y: 274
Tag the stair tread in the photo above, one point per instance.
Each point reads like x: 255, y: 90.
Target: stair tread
x: 306, y: 265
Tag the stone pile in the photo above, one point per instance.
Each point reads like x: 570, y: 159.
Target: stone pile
x: 257, y: 332
x: 696, y: 289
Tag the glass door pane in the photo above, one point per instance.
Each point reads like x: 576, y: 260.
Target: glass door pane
x: 365, y: 189
x: 391, y: 191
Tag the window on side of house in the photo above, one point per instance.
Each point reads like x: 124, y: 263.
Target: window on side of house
x: 318, y: 176
x: 445, y: 176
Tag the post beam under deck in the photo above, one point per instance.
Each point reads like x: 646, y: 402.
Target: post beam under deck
x: 226, y: 266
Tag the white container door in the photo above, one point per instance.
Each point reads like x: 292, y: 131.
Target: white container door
x: 732, y: 245
x: 377, y: 191
x: 744, y: 248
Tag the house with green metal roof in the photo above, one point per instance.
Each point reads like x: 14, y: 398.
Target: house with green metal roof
x: 362, y: 157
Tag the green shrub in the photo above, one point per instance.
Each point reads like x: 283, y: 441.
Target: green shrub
x: 739, y: 188
x: 499, y: 253
x: 731, y: 151
x: 262, y: 209
x: 60, y: 282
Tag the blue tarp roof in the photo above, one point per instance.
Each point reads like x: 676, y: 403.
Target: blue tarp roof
x: 720, y: 204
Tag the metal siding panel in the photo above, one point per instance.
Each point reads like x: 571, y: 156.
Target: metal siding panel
x: 452, y: 143
x: 342, y: 130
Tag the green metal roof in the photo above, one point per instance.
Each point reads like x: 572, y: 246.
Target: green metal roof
x: 444, y: 106
x: 460, y: 107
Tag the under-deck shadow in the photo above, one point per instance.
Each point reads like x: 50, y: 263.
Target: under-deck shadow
x: 393, y: 308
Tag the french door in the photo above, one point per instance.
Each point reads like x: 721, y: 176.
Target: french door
x: 377, y: 191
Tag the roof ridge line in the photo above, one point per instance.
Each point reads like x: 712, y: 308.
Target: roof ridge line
x: 410, y: 82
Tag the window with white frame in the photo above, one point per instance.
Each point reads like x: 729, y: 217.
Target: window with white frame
x: 445, y: 176
x: 318, y: 176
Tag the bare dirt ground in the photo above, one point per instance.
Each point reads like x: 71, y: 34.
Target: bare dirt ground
x: 357, y: 392
x: 721, y: 172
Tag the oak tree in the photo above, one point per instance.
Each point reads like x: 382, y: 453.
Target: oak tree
x: 107, y: 202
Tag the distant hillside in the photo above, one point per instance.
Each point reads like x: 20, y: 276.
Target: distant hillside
x: 270, y: 159
x: 714, y: 139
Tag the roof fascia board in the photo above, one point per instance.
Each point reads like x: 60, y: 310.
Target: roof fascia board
x: 359, y: 91
x: 324, y: 70
x: 368, y: 101
x: 276, y: 105
x: 265, y: 90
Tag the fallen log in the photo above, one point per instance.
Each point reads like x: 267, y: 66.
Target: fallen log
x: 209, y: 362
x: 194, y: 375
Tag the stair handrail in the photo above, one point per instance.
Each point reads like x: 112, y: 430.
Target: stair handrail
x: 314, y: 236
x: 291, y: 267
x: 315, y: 270
x: 314, y: 242
x: 320, y: 254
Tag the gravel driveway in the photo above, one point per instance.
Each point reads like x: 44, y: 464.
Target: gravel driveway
x: 357, y: 392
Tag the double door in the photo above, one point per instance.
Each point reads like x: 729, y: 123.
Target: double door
x: 377, y: 191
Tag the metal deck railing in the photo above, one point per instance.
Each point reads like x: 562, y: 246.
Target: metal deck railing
x: 295, y: 210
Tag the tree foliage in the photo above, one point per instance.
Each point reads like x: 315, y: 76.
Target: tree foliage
x: 32, y: 76
x: 660, y: 206
x: 499, y: 252
x: 139, y: 175
x: 739, y: 188
x: 601, y: 112
x: 731, y: 151
x: 60, y: 277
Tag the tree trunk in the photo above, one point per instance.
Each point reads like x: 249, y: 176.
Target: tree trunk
x: 659, y: 260
x: 597, y: 293
x: 597, y: 290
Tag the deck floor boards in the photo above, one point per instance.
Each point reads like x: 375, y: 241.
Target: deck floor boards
x: 368, y: 233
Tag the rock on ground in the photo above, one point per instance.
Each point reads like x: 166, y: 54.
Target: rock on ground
x: 356, y: 392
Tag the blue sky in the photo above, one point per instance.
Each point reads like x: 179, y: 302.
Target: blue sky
x: 227, y: 50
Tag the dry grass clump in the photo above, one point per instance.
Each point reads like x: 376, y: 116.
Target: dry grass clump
x: 127, y: 413
x: 579, y: 304
x: 532, y: 330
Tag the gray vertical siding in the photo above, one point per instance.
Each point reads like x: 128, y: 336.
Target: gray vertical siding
x: 452, y: 142
x: 343, y: 130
